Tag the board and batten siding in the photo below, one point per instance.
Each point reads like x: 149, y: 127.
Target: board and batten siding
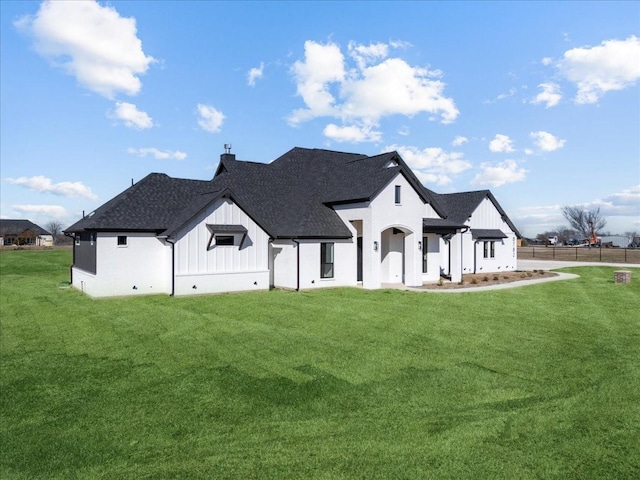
x: 239, y: 267
x: 487, y: 216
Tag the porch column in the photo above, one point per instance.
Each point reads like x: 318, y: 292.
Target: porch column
x: 455, y: 257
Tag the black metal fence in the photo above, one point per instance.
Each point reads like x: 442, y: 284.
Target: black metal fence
x: 581, y: 254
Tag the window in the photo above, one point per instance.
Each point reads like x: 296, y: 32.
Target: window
x: 91, y: 239
x: 224, y: 240
x: 425, y: 250
x: 122, y: 240
x: 326, y: 260
x: 398, y: 189
x: 489, y: 249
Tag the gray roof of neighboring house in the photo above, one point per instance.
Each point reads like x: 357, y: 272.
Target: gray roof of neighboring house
x: 291, y: 197
x: 16, y: 227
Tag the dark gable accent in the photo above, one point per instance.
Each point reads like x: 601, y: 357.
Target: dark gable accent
x: 487, y: 234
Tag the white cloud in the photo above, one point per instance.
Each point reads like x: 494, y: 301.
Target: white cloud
x: 501, y: 143
x: 528, y: 151
x: 129, y: 114
x: 625, y: 203
x: 367, y: 54
x: 352, y: 133
x: 323, y: 64
x: 375, y: 87
x: 547, y: 61
x: 550, y: 95
x: 254, y: 74
x: 43, y: 184
x: 612, y: 65
x: 404, y: 130
x: 55, y: 211
x: 91, y: 42
x: 547, y: 142
x: 495, y: 175
x: 157, y: 154
x: 512, y: 91
x: 211, y: 119
x: 432, y: 164
x: 459, y: 140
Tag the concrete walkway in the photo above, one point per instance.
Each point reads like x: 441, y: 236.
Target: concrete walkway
x: 526, y: 265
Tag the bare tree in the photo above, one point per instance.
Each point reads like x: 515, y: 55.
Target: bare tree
x: 586, y: 222
x: 54, y: 227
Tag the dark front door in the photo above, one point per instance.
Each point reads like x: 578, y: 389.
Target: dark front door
x: 359, y: 245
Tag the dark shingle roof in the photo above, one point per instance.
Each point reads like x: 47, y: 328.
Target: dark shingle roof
x: 151, y: 205
x: 291, y: 197
x: 460, y: 206
x: 16, y: 227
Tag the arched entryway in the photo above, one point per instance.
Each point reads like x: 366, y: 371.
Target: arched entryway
x: 393, y: 254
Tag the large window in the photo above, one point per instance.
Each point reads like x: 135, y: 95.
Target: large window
x: 326, y: 260
x: 489, y: 249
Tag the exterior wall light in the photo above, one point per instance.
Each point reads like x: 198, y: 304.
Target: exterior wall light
x: 420, y: 246
x: 375, y: 246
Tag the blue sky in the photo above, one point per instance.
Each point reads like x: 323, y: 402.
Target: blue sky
x: 537, y: 101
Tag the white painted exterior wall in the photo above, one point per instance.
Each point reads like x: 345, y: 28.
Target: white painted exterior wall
x: 487, y: 216
x: 141, y: 267
x: 221, y: 268
x: 379, y: 217
x: 344, y: 264
x: 285, y: 264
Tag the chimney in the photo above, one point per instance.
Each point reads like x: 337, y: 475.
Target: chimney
x: 227, y: 155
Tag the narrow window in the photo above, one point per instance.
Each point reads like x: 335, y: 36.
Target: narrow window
x: 326, y: 260
x: 224, y: 240
x: 78, y: 240
x: 122, y: 240
x: 489, y: 249
x: 91, y: 240
x: 425, y: 250
x: 398, y: 189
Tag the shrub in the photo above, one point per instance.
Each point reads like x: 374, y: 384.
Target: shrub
x: 529, y: 274
x: 474, y: 281
x: 485, y: 279
x: 496, y: 278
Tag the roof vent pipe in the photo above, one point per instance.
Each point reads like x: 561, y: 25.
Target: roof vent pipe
x: 227, y: 155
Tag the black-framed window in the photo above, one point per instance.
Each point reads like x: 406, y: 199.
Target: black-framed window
x: 225, y: 240
x: 398, y: 194
x: 425, y: 251
x: 326, y: 260
x: 122, y: 240
x: 489, y: 249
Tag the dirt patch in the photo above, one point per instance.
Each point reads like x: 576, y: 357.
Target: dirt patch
x: 485, y: 279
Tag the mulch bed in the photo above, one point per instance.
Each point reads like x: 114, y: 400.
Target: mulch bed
x: 485, y: 279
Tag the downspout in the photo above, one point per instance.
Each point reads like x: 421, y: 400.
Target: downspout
x: 173, y: 266
x: 298, y: 265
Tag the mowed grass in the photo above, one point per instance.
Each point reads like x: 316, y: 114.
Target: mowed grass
x: 535, y: 382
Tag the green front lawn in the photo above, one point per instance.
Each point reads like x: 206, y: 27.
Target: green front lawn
x: 535, y: 382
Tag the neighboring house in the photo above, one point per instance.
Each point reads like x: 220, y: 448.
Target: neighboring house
x: 310, y: 219
x: 23, y: 232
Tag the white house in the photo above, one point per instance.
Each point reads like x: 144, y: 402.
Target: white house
x: 310, y: 219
